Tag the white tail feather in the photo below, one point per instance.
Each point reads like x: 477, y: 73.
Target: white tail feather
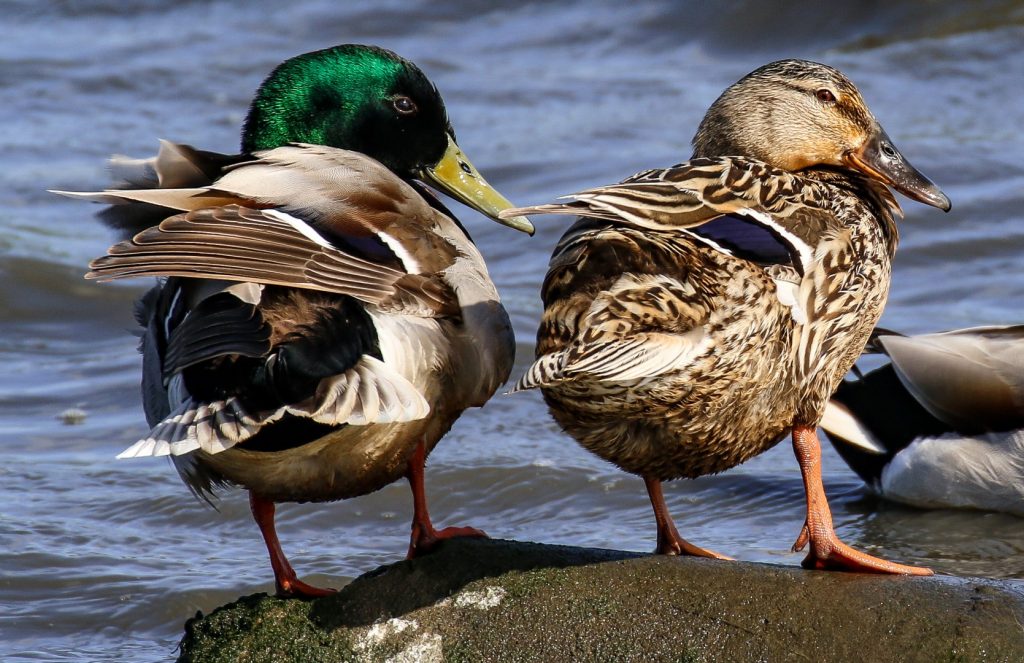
x: 839, y: 422
x: 212, y: 427
x: 368, y: 393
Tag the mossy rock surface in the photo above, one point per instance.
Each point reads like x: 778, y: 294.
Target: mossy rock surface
x: 489, y: 600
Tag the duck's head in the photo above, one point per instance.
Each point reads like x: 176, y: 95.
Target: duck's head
x: 795, y: 114
x: 369, y: 100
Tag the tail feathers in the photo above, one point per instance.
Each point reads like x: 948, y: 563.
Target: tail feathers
x: 841, y: 424
x: 545, y: 371
x: 175, y: 167
x: 129, y: 173
x: 370, y: 392
x: 213, y: 427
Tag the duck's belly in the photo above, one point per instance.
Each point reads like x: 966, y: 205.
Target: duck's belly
x: 690, y: 437
x: 346, y: 462
x: 733, y: 401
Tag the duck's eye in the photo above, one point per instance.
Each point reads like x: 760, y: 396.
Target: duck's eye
x: 825, y: 96
x: 404, y: 105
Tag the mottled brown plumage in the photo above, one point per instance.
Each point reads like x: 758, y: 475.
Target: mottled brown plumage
x: 698, y: 314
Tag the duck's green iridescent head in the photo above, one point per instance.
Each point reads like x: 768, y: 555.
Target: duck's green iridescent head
x: 369, y: 100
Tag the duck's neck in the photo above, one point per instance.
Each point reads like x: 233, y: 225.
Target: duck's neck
x: 878, y: 197
x: 730, y: 130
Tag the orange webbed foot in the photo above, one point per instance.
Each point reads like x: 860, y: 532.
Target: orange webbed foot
x: 680, y: 546
x: 423, y: 542
x: 293, y: 588
x: 828, y: 552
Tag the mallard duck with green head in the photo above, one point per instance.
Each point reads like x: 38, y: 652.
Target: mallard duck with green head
x: 698, y: 314
x: 324, y: 318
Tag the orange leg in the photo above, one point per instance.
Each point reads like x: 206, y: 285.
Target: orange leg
x: 669, y: 541
x: 827, y: 551
x: 424, y: 537
x: 288, y: 585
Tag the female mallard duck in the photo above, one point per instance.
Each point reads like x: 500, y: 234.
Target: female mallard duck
x: 325, y: 320
x: 940, y: 425
x: 699, y: 313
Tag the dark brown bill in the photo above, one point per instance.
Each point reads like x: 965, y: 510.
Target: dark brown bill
x: 879, y: 159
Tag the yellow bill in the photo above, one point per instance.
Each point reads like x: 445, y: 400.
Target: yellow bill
x: 456, y: 176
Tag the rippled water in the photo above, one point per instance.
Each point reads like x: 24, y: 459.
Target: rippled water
x: 104, y: 559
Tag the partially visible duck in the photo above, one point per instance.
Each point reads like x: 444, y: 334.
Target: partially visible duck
x: 698, y: 314
x: 324, y: 319
x: 941, y: 424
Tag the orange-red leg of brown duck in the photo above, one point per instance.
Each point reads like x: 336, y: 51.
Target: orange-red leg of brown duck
x: 669, y: 541
x: 424, y: 536
x: 827, y: 551
x: 288, y: 585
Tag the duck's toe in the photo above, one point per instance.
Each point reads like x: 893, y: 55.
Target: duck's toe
x: 424, y: 541
x: 293, y: 588
x: 831, y: 553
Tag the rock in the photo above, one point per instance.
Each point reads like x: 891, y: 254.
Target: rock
x: 491, y: 600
